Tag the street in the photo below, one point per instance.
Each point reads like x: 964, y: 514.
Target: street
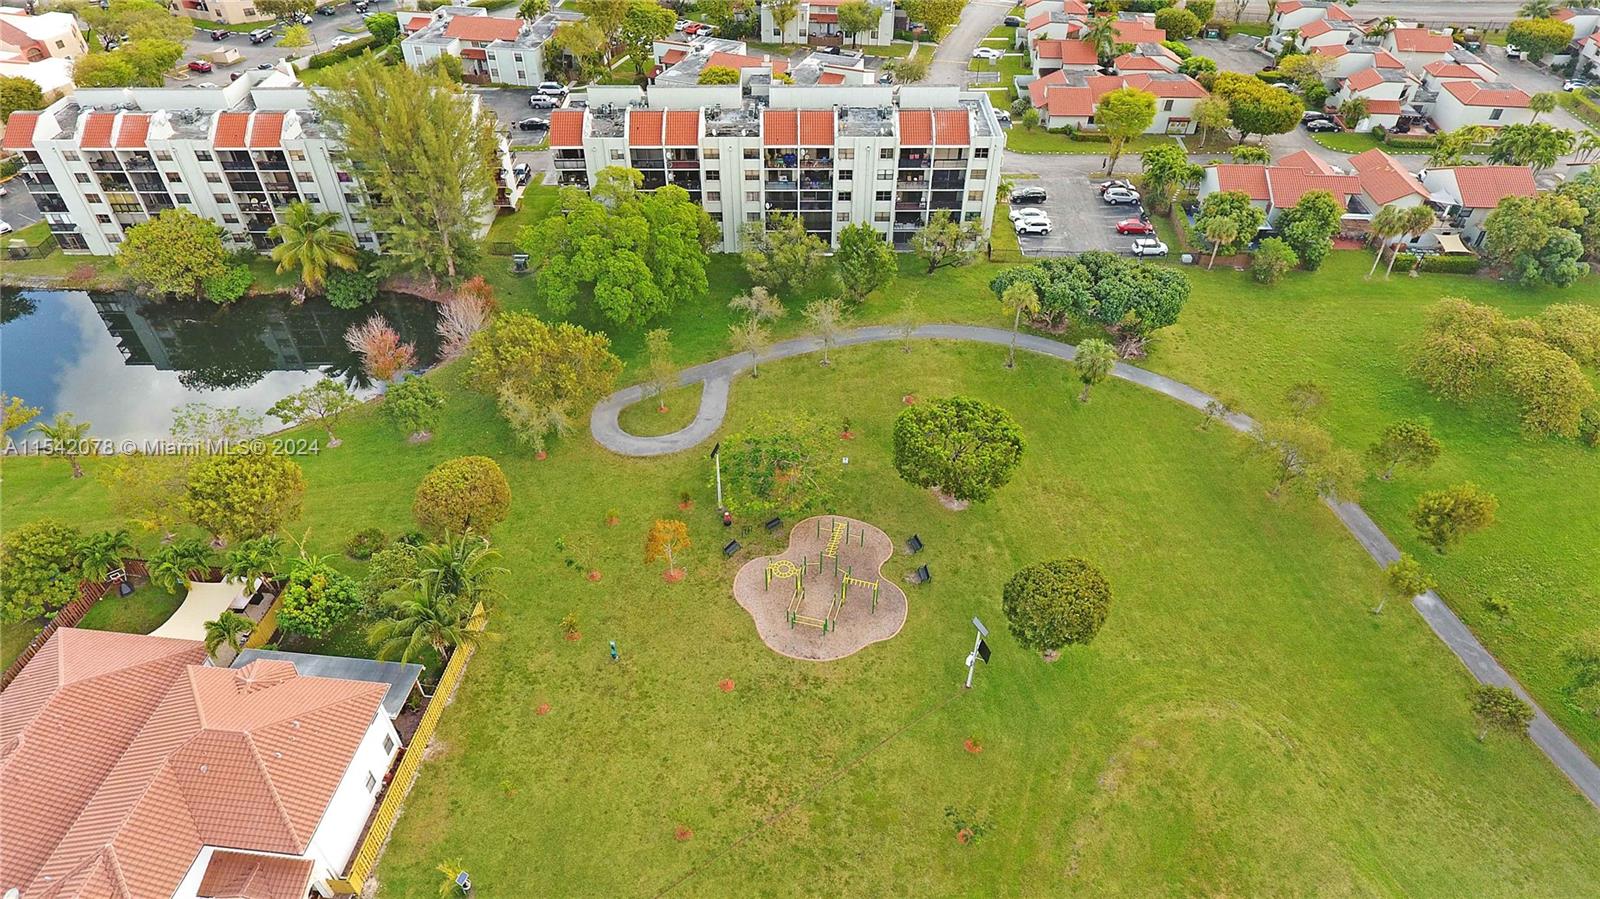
x: 1431, y: 12
x: 954, y: 52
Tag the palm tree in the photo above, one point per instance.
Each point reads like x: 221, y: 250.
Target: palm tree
x: 257, y: 558
x: 229, y: 628
x: 1541, y: 103
x: 1414, y: 223
x: 1101, y: 33
x: 1094, y: 360
x: 1019, y: 298
x: 1588, y: 146
x: 428, y: 617
x: 99, y: 554
x: 64, y: 437
x: 1536, y: 9
x: 461, y: 567
x: 172, y: 564
x: 308, y: 240
x: 1219, y: 231
x: 1353, y: 111
x: 1383, y: 26
x: 1386, y: 223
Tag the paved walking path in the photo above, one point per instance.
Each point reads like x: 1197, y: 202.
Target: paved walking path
x: 718, y: 376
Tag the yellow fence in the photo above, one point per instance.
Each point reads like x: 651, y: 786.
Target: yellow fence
x: 405, y: 776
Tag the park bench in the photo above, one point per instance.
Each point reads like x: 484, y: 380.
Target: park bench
x: 732, y: 547
x: 914, y: 545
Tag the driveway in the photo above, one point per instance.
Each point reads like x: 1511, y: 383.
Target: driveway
x: 324, y: 29
x: 1079, y: 220
x: 1229, y: 55
x: 954, y: 52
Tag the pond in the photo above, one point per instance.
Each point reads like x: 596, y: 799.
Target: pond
x: 126, y: 363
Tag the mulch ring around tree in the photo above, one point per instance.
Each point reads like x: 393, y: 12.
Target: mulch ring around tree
x: 857, y: 548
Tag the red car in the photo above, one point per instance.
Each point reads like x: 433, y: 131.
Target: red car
x: 199, y: 65
x: 1135, y: 226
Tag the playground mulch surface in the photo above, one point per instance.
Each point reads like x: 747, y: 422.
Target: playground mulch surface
x: 857, y: 625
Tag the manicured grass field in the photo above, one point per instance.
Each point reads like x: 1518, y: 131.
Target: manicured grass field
x: 646, y: 419
x: 1021, y: 140
x: 147, y: 609
x: 14, y: 638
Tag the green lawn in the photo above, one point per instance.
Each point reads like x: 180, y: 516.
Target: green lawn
x: 1021, y: 140
x: 14, y: 638
x: 646, y: 419
x: 147, y: 609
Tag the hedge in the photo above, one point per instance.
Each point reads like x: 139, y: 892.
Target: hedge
x: 1579, y: 104
x: 1090, y: 137
x: 353, y: 49
x: 1444, y: 265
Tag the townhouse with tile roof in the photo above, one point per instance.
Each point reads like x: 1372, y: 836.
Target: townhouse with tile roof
x: 1327, y: 32
x: 1068, y: 99
x: 816, y: 22
x: 1346, y: 60
x: 1472, y: 102
x: 1385, y: 91
x: 1292, y: 16
x: 1417, y: 47
x: 1279, y: 186
x: 40, y: 48
x: 832, y: 155
x: 1585, y: 24
x: 130, y: 767
x: 492, y: 49
x: 1466, y: 195
x: 105, y: 159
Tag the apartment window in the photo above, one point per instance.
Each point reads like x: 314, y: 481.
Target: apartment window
x: 521, y: 75
x: 174, y: 178
x: 713, y: 196
x: 313, y: 199
x: 249, y: 12
x: 847, y: 153
x: 616, y: 154
x: 81, y: 177
x: 372, y: 783
x: 752, y: 175
x: 1167, y: 106
x: 113, y: 237
x: 980, y: 153
x: 777, y: 34
x: 70, y: 155
x: 842, y: 217
x: 847, y: 175
x: 61, y: 45
x: 164, y: 155
x: 297, y: 155
x: 222, y: 199
x: 713, y: 175
x: 516, y: 57
x: 181, y: 198
x: 975, y: 196
x: 711, y: 153
x: 979, y: 174
x: 880, y: 216
x: 203, y: 155
x: 752, y: 216
x: 91, y: 198
x: 844, y: 196
x: 303, y: 177
x: 886, y: 153
x: 213, y: 178
x: 388, y: 744
x: 716, y: 217
x: 230, y: 219
x: 351, y: 199
x: 752, y: 196
x: 1494, y: 115
x: 752, y: 153
x: 883, y: 196
x: 886, y: 175
x: 103, y: 219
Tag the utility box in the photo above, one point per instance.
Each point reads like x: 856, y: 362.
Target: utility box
x: 225, y: 56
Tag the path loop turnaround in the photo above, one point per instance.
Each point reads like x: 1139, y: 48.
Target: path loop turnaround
x: 717, y: 378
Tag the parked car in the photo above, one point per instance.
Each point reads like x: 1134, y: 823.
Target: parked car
x: 5, y: 227
x: 1027, y: 212
x: 1118, y: 196
x: 262, y: 35
x: 1116, y: 182
x: 266, y: 65
x: 1135, y: 226
x: 1318, y: 126
x: 1514, y: 52
x: 698, y: 28
x: 1574, y: 84
x: 1003, y: 117
x: 540, y: 101
x: 305, y: 18
x: 533, y: 123
x: 326, y: 10
x: 1028, y: 195
x: 1148, y: 246
x: 1310, y: 114
x: 1013, y: 21
x: 342, y: 40
x: 523, y: 172
x: 681, y: 24
x: 989, y: 53
x: 361, y: 6
x: 1035, y: 225
x: 199, y: 65
x: 220, y: 34
x: 829, y: 49
x: 552, y: 89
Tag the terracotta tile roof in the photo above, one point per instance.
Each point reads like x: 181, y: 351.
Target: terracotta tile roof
x: 482, y: 29
x: 241, y: 875
x: 780, y: 128
x: 1484, y: 186
x: 266, y: 130
x: 133, y: 131
x: 1383, y: 107
x: 1421, y: 40
x: 168, y: 756
x: 1134, y: 62
x: 1287, y: 185
x: 477, y: 53
x: 1039, y: 21
x: 1383, y: 178
x: 1135, y: 31
x: 1071, y: 52
x: 1364, y: 79
x: 734, y: 60
x: 1250, y: 180
x: 19, y: 131
x: 916, y: 127
x: 1383, y: 59
x: 645, y: 127
x: 1060, y: 98
x: 1070, y: 7
x: 96, y: 134
x: 951, y: 128
x: 417, y: 23
x: 1442, y: 69
x: 1307, y: 161
x: 673, y: 56
x: 816, y: 128
x: 683, y: 128
x: 230, y: 130
x: 1288, y: 6
x: 1335, y: 11
x: 1332, y: 51
x: 831, y: 78
x: 1317, y: 28
x: 566, y: 128
x: 1494, y: 93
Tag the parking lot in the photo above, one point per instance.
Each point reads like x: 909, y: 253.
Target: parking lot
x: 345, y: 21
x: 1079, y: 219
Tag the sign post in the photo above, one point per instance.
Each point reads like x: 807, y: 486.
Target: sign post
x: 980, y: 650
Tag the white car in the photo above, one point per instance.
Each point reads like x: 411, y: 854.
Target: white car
x: 5, y: 227
x: 540, y: 101
x: 1116, y: 196
x: 1034, y: 225
x: 1148, y: 246
x: 343, y: 39
x: 1003, y: 117
x: 1027, y: 212
x: 989, y: 53
x: 552, y: 89
x: 681, y: 24
x: 1514, y: 52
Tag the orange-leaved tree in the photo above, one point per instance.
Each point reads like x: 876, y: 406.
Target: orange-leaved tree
x: 666, y: 539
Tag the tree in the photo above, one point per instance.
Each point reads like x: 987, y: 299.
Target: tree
x: 321, y: 405
x: 1167, y: 170
x: 826, y: 318
x: 782, y: 464
x: 39, y: 569
x: 1537, y: 238
x: 1101, y: 33
x: 244, y: 493
x: 66, y: 438
x: 719, y: 75
x: 856, y: 16
x: 667, y: 538
x: 1551, y: 389
x: 1202, y: 9
x: 1499, y: 708
x: 1180, y: 24
x: 1405, y: 578
x: 749, y: 336
x: 256, y: 559
x: 1353, y: 111
x: 663, y: 372
x: 316, y: 598
x: 607, y: 16
x: 425, y: 152
x: 1219, y: 230
x: 865, y: 261
x: 463, y: 566
x: 1250, y: 154
x: 1305, y: 399
x: 1443, y: 517
x: 1127, y: 298
x: 17, y: 94
x: 138, y: 19
x: 938, y: 15
x: 642, y: 25
x: 1452, y: 147
x: 1537, y: 146
x: 783, y: 12
x: 1256, y: 107
x: 1309, y: 226
x: 584, y: 43
x: 173, y: 566
x: 1536, y: 9
x: 101, y: 553
x: 1304, y: 70
x: 1195, y: 66
x: 1094, y: 361
x: 104, y: 70
x: 1541, y: 103
x: 229, y: 629
x: 1272, y: 260
x: 423, y: 619
x: 945, y: 241
x: 759, y: 305
x: 1584, y: 190
x: 1211, y: 114
x: 14, y: 413
x: 553, y: 366
x: 468, y: 493
x: 532, y: 9
x: 148, y: 489
x: 1237, y: 208
x: 414, y: 405
x: 1385, y: 225
x: 1049, y: 605
x: 912, y: 69
x: 310, y: 241
x: 385, y: 26
x: 1414, y: 222
x: 1574, y: 329
x: 285, y: 9
x: 1406, y: 442
x: 1303, y: 455
x: 1539, y: 38
x: 295, y: 37
x: 1122, y: 115
x: 383, y: 355
x: 781, y: 255
x: 1582, y: 657
x: 1022, y: 299
x: 963, y: 447
x: 174, y: 253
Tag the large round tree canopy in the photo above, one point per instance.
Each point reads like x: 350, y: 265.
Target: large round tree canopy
x: 1052, y: 604
x: 966, y: 447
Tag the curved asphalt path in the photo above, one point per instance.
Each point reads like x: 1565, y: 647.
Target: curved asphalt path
x: 718, y: 376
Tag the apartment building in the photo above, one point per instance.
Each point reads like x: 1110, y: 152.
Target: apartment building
x: 492, y: 49
x: 816, y: 22
x: 105, y: 159
x: 833, y: 155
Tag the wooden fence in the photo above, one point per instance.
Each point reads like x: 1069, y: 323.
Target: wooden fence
x: 366, y: 855
x: 69, y: 615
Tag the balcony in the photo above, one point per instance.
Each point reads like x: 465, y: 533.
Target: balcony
x: 49, y: 203
x: 276, y: 162
x: 783, y: 185
x: 914, y: 162
x: 139, y: 163
x: 103, y: 164
x: 570, y: 164
x: 903, y: 206
x: 817, y: 162
x: 683, y: 164
x: 949, y: 163
x: 238, y: 165
x: 911, y: 184
x: 816, y: 184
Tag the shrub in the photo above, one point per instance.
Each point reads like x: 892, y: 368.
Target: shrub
x: 458, y: 495
x: 353, y: 49
x: 315, y: 598
x: 363, y: 543
x: 228, y: 286
x: 350, y: 290
x: 1272, y: 260
x: 1052, y: 604
x: 38, y: 569
x: 965, y: 447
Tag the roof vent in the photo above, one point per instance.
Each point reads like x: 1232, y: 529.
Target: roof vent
x: 203, y: 769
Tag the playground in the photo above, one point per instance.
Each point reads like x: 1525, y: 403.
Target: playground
x: 825, y: 596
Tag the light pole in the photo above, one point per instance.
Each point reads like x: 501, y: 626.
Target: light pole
x: 980, y: 650
x: 716, y: 457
